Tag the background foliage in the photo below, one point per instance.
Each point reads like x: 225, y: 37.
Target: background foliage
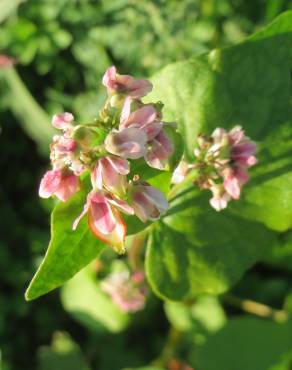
x: 62, y: 48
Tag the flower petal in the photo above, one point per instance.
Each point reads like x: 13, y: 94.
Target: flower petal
x: 232, y: 186
x: 119, y: 165
x: 62, y: 120
x: 161, y: 148
x: 120, y: 204
x: 116, y: 238
x: 101, y: 213
x: 128, y: 143
x: 142, y: 116
x: 69, y: 185
x: 50, y: 183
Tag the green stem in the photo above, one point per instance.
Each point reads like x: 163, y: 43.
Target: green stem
x: 256, y: 308
x: 170, y: 348
x: 137, y: 243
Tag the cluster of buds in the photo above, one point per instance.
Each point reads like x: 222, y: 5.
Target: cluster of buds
x: 127, y: 291
x: 222, y: 162
x: 126, y: 130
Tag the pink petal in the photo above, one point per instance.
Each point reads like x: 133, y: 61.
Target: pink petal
x: 115, y: 236
x: 119, y: 165
x: 251, y: 161
x: 107, y: 173
x: 115, y: 82
x: 232, y: 186
x: 50, y: 183
x: 126, y: 111
x: 161, y: 148
x: 220, y: 197
x: 102, y: 216
x: 142, y: 116
x: 69, y: 186
x: 96, y: 176
x: 148, y: 203
x: 218, y: 135
x: 128, y: 143
x: 156, y: 197
x: 241, y: 174
x: 62, y: 120
x: 218, y: 203
x: 236, y: 134
x: 120, y: 204
x: 180, y: 172
x: 152, y: 129
x: 140, y: 88
x: 109, y: 75
x: 245, y: 148
x: 143, y: 210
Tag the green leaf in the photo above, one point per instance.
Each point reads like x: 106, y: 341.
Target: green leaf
x: 8, y: 7
x: 83, y: 298
x: 68, y: 251
x: 247, y: 343
x: 63, y: 354
x: 195, y: 250
x: 206, y: 312
x: 247, y: 84
x: 280, y: 255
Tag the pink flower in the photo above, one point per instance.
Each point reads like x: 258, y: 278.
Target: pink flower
x: 220, y: 197
x: 63, y: 185
x: 111, y: 172
x: 128, y: 143
x: 145, y: 119
x: 6, y: 61
x: 125, y: 84
x: 234, y: 178
x: 159, y: 151
x: 244, y: 153
x: 223, y: 162
x: 63, y: 121
x: 180, y: 172
x: 104, y: 218
x: 148, y: 202
x: 127, y: 292
x: 65, y: 154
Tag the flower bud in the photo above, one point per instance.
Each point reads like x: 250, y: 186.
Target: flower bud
x: 104, y: 218
x: 125, y: 84
x: 148, y: 202
x: 110, y: 172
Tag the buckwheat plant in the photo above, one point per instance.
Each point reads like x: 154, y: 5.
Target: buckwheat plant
x: 126, y: 130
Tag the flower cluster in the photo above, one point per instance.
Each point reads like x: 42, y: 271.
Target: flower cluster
x: 126, y: 130
x: 222, y: 162
x: 127, y: 291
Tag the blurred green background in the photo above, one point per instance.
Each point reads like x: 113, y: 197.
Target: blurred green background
x: 62, y: 48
